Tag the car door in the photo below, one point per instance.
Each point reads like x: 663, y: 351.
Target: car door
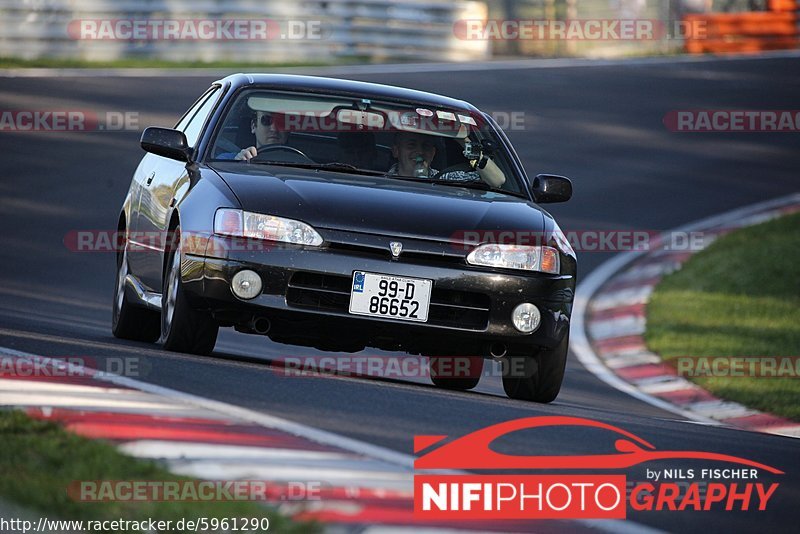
x: 163, y: 178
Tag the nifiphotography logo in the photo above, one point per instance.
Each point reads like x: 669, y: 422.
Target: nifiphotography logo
x: 714, y: 482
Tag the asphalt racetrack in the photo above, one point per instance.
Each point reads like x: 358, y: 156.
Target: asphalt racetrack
x: 601, y: 126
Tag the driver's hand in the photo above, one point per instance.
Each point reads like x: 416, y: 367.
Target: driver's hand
x: 246, y: 154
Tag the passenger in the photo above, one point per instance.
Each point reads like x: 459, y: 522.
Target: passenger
x: 411, y: 149
x: 414, y: 153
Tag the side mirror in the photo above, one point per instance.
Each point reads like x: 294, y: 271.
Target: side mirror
x: 166, y: 142
x: 551, y: 188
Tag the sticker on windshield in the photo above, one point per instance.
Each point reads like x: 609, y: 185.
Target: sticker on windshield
x: 425, y: 112
x: 446, y: 115
x: 409, y: 119
x: 466, y: 119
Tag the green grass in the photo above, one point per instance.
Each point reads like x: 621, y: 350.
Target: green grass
x: 7, y: 62
x: 739, y: 297
x: 39, y: 460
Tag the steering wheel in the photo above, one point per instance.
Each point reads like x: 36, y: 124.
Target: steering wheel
x: 294, y: 155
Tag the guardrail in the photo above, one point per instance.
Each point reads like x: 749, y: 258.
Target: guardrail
x: 374, y: 29
x: 776, y: 29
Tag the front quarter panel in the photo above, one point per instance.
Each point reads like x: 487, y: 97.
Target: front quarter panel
x: 195, y: 210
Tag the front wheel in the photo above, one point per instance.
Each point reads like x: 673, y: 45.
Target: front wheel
x: 456, y: 372
x: 183, y: 329
x: 537, y: 377
x: 129, y: 321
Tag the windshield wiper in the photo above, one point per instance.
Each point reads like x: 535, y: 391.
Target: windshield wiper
x: 478, y: 184
x: 471, y: 184
x: 334, y: 167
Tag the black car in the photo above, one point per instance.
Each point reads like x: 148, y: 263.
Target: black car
x: 343, y: 215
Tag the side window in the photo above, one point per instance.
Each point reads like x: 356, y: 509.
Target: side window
x: 192, y: 123
x: 192, y: 110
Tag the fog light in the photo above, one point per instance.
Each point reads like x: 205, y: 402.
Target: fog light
x: 246, y: 284
x: 526, y: 318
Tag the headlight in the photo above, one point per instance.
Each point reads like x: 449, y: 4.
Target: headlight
x: 523, y: 257
x: 240, y: 223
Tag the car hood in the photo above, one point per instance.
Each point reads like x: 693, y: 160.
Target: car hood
x: 378, y: 205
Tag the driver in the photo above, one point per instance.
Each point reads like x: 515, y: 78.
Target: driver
x: 264, y: 127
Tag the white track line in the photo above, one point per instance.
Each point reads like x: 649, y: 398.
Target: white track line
x: 237, y: 412
x: 182, y: 450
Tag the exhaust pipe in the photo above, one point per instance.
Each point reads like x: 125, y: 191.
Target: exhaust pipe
x: 497, y: 350
x: 260, y: 325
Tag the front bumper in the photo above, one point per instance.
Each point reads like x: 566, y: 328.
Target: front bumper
x: 306, y: 295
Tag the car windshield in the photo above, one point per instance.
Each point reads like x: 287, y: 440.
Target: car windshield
x: 343, y: 134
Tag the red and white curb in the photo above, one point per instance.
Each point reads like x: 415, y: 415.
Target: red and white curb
x: 362, y: 487
x: 211, y: 441
x: 609, y: 324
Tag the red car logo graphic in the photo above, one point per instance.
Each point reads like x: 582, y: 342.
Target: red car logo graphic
x: 473, y: 450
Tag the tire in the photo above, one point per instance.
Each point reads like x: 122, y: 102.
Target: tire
x: 129, y: 321
x: 183, y: 329
x: 536, y: 378
x: 442, y: 371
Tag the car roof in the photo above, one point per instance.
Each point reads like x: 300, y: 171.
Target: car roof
x: 321, y: 84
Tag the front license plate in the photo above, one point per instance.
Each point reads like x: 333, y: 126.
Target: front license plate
x: 383, y: 295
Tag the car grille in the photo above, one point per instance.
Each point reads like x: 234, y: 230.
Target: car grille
x: 430, y: 257
x: 326, y: 292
